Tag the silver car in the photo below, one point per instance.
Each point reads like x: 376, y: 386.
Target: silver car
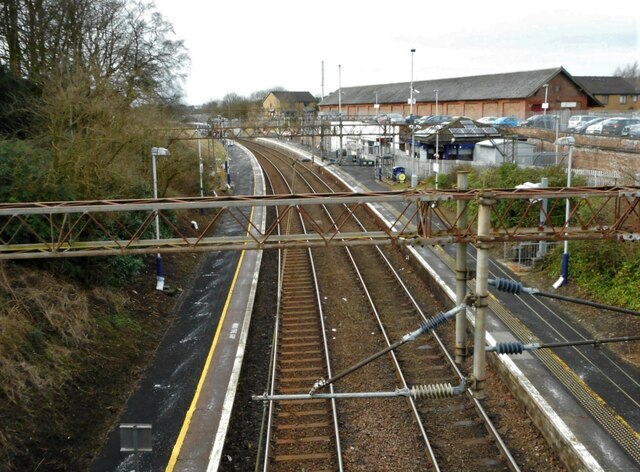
x: 597, y: 127
x: 582, y: 128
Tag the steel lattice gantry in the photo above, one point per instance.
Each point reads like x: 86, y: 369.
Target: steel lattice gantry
x: 287, y: 129
x: 117, y: 227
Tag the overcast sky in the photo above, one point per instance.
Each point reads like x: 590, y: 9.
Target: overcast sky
x: 242, y: 47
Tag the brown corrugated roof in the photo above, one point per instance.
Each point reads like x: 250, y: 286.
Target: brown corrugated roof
x: 514, y: 85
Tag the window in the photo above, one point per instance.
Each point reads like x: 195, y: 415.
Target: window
x: 635, y: 99
x: 623, y: 99
x: 604, y: 99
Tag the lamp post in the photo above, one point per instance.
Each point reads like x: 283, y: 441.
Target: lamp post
x: 414, y: 176
x: 545, y: 105
x: 377, y: 106
x: 564, y: 277
x: 201, y: 166
x: 200, y: 162
x: 437, y: 155
x: 340, y: 110
x: 340, y: 91
x: 155, y: 152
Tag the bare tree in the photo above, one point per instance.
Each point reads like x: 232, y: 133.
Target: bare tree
x: 106, y: 70
x: 128, y: 43
x: 631, y: 72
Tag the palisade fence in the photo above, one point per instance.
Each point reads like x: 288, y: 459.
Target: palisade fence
x: 525, y: 255
x: 597, y: 178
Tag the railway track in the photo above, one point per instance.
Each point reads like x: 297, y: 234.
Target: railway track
x: 360, y: 294
x: 301, y: 435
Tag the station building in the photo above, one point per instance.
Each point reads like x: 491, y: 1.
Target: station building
x: 519, y: 94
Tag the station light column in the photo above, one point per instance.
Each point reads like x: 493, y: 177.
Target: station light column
x: 155, y: 152
x: 414, y: 176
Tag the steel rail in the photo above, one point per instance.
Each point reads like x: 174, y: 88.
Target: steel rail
x: 397, y: 367
x: 450, y: 360
x: 267, y: 414
x: 372, y: 305
x: 502, y: 447
x: 609, y: 420
x: 325, y: 343
x: 491, y: 429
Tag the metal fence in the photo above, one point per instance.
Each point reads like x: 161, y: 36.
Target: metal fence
x: 527, y: 254
x: 596, y: 178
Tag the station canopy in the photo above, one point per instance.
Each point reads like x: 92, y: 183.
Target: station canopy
x: 463, y: 129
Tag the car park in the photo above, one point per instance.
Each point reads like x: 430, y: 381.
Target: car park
x: 540, y: 121
x: 614, y: 126
x: 632, y: 131
x: 507, y: 121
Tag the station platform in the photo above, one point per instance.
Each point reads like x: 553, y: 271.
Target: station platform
x: 579, y: 397
x: 201, y: 352
x: 201, y: 439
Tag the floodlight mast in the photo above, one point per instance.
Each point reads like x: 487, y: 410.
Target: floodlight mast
x: 414, y: 176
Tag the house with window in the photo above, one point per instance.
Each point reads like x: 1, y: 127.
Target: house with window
x: 288, y: 105
x: 615, y: 93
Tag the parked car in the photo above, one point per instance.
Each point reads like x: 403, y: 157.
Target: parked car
x: 576, y: 120
x: 489, y: 120
x: 391, y: 118
x: 614, y: 126
x: 433, y: 120
x: 633, y: 131
x: 596, y: 128
x: 540, y: 121
x: 582, y: 127
x: 507, y: 121
x: 407, y: 119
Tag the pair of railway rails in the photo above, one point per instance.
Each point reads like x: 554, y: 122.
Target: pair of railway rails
x: 338, y: 306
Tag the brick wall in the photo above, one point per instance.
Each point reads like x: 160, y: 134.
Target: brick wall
x: 605, y: 153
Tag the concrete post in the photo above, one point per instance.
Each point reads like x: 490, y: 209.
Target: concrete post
x: 461, y: 272
x: 482, y: 292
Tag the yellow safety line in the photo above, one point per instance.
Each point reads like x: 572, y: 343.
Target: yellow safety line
x: 187, y: 422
